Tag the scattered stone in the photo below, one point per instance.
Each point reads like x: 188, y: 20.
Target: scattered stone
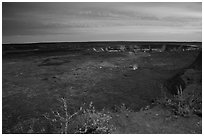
x: 134, y: 67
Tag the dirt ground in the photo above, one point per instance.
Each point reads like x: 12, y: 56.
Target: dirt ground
x: 155, y: 121
x: 31, y: 85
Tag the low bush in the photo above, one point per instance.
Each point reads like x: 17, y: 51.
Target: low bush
x: 182, y: 104
x: 85, y: 121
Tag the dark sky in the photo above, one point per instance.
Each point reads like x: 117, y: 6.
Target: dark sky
x: 38, y: 22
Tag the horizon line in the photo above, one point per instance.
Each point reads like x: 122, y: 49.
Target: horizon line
x: 100, y: 41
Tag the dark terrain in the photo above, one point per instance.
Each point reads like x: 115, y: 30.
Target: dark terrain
x: 34, y: 76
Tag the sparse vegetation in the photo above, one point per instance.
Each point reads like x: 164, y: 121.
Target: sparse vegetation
x: 84, y: 121
x: 182, y: 104
x: 32, y: 82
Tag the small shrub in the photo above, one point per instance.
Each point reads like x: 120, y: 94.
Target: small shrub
x: 94, y: 122
x: 181, y: 104
x: 61, y: 118
x: 84, y: 121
